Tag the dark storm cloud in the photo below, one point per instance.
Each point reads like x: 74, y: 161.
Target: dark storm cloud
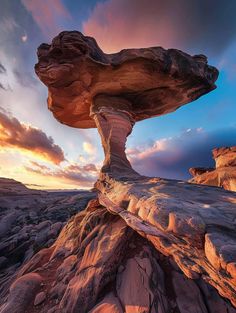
x: 207, y: 26
x: 172, y: 158
x: 18, y: 136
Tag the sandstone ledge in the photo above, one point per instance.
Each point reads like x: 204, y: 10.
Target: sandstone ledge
x: 193, y: 224
x: 151, y: 245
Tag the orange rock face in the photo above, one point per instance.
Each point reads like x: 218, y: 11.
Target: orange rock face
x: 144, y: 245
x: 111, y: 259
x: 155, y: 81
x: 88, y: 88
x: 224, y: 174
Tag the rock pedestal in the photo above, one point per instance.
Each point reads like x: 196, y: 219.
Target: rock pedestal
x: 114, y: 122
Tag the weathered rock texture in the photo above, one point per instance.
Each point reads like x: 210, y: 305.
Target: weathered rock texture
x: 110, y: 259
x: 30, y: 221
x: 114, y: 125
x: 145, y: 245
x: 193, y: 225
x: 88, y: 88
x: 155, y: 81
x: 224, y: 174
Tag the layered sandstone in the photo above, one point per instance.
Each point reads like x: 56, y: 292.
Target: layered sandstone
x: 145, y: 245
x: 224, y: 174
x: 89, y: 88
x: 148, y: 246
x: 155, y: 81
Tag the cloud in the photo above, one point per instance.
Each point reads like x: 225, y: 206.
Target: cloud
x: 2, y: 87
x: 2, y: 69
x: 48, y: 16
x: 71, y: 173
x: 172, y: 157
x: 25, y: 79
x: 89, y: 148
x: 198, y: 26
x: 18, y: 53
x: 25, y: 138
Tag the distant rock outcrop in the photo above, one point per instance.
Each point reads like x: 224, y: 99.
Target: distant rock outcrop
x: 12, y: 187
x: 224, y: 173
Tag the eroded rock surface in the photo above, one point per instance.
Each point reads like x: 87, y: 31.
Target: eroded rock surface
x: 156, y: 81
x: 194, y: 225
x: 139, y: 248
x: 30, y: 221
x: 224, y: 174
x: 89, y: 88
x: 145, y: 245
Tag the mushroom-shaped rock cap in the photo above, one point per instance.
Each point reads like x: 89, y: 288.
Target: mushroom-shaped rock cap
x: 155, y: 81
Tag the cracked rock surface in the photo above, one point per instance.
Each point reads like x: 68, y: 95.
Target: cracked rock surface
x: 136, y: 248
x: 194, y: 225
x: 31, y: 220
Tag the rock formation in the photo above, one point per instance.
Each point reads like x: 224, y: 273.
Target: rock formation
x: 144, y: 245
x: 224, y: 173
x: 147, y: 246
x: 88, y: 88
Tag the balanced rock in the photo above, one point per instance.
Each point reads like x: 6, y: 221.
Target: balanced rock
x: 89, y: 88
x: 143, y: 244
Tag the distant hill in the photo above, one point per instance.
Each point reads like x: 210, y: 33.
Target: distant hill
x: 10, y: 186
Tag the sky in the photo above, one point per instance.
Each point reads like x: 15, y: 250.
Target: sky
x: 42, y: 153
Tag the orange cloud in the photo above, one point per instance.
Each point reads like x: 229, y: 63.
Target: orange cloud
x: 47, y: 15
x: 72, y: 173
x: 89, y: 148
x: 27, y: 139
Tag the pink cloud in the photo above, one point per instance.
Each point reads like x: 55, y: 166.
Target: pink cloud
x: 172, y: 157
x: 71, y: 173
x: 194, y: 26
x: 48, y: 15
x: 118, y: 24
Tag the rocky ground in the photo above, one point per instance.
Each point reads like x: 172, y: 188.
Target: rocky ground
x: 31, y: 220
x: 145, y: 246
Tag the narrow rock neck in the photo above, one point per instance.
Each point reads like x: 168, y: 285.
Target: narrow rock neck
x: 114, y: 123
